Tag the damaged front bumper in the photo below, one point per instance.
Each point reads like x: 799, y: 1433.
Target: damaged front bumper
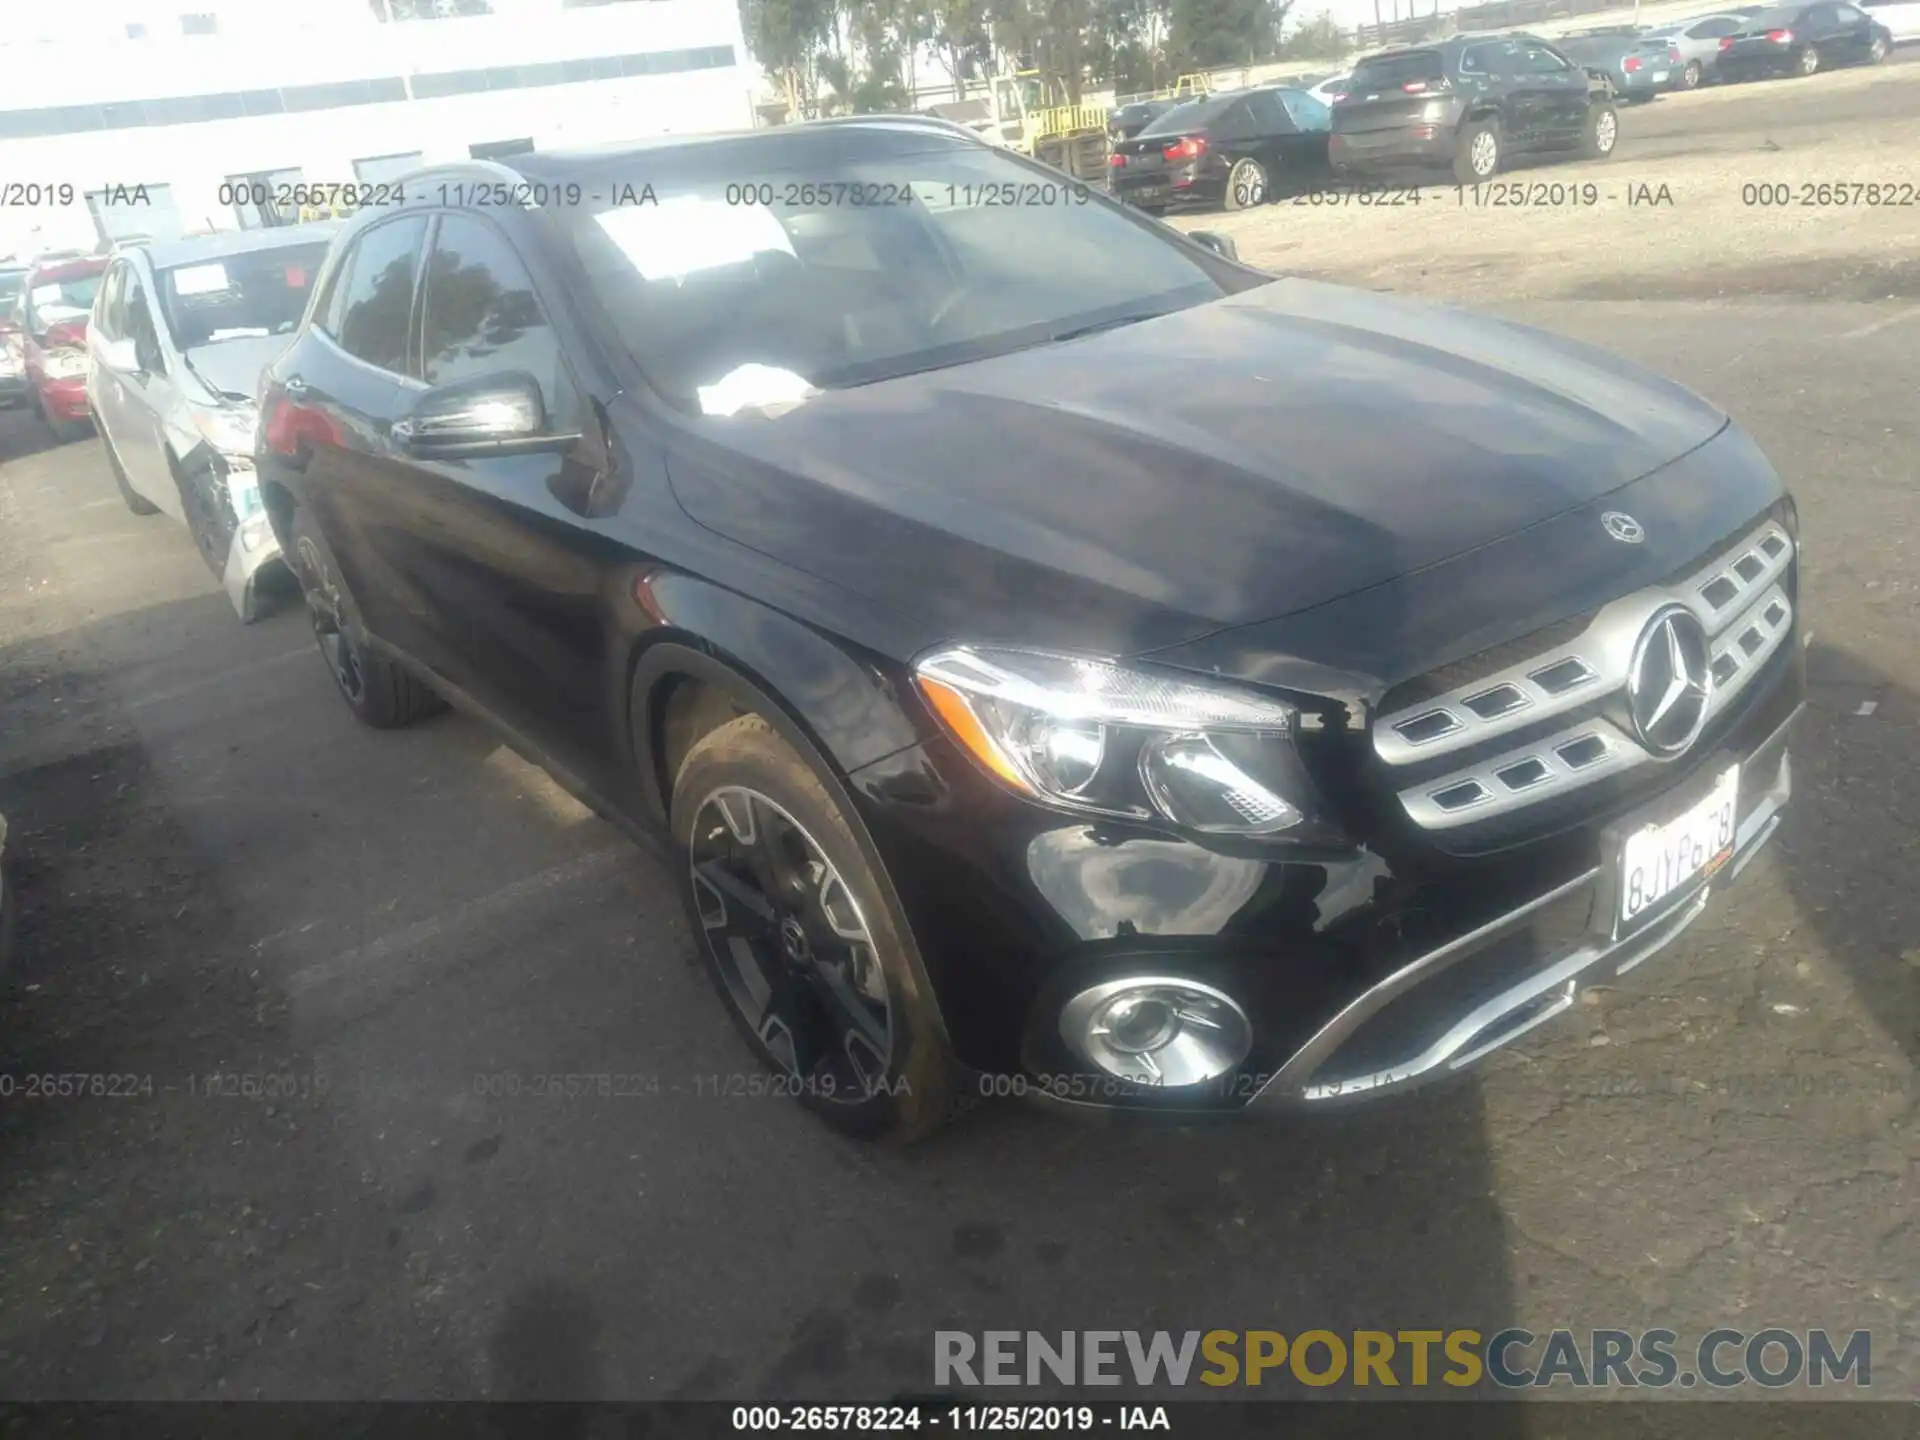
x: 254, y: 552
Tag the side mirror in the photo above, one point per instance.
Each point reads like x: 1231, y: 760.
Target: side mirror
x: 121, y: 355
x: 1221, y: 245
x: 499, y: 414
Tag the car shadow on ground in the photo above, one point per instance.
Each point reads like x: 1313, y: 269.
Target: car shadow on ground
x: 1849, y: 849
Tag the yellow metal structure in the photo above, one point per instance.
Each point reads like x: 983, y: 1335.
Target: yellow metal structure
x: 1031, y: 115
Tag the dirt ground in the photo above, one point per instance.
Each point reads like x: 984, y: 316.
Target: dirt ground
x: 1670, y: 216
x: 305, y: 954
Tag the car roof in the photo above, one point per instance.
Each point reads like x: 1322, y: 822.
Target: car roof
x: 164, y: 254
x: 70, y: 269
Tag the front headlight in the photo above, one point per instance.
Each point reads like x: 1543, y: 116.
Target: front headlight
x: 65, y: 364
x: 228, y: 430
x: 1097, y: 736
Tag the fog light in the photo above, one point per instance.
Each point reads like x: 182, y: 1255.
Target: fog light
x: 1157, y: 1030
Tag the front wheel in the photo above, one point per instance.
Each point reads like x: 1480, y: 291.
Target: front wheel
x: 377, y: 691
x: 1879, y: 50
x: 1600, y: 132
x: 802, y: 939
x: 1809, y: 61
x: 1246, y: 184
x: 1477, y: 158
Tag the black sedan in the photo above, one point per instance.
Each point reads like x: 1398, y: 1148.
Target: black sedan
x: 1058, y: 659
x: 1238, y: 149
x: 1803, y: 40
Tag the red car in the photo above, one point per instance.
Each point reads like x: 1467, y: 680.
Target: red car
x: 52, y: 316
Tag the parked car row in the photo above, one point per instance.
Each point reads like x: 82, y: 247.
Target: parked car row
x: 1469, y: 103
x: 1062, y: 660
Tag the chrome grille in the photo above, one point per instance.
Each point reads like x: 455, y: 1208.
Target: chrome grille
x: 1740, y: 598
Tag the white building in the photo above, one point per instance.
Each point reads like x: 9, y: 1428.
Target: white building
x: 106, y: 99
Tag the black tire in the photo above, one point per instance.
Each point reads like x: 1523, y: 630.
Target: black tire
x: 210, y: 518
x: 1807, y: 62
x: 378, y: 691
x: 1247, y: 185
x: 1476, y: 159
x: 1600, y: 132
x: 743, y: 775
x: 1691, y: 76
x: 135, y: 501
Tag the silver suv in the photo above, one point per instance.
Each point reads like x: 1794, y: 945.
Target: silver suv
x: 181, y: 330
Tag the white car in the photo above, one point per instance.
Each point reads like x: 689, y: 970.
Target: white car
x: 180, y: 333
x: 1902, y: 17
x: 1330, y: 90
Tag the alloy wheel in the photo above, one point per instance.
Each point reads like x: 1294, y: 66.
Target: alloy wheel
x: 330, y: 629
x: 1484, y: 154
x: 1809, y: 60
x: 1249, y: 183
x: 791, y: 945
x: 1606, y: 130
x: 1878, y: 51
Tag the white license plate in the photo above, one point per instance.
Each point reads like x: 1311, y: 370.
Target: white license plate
x: 1661, y: 859
x: 1658, y: 76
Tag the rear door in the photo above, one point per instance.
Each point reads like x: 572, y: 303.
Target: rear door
x: 502, y: 550
x: 1561, y: 88
x: 354, y: 373
x: 1854, y: 32
x: 141, y: 399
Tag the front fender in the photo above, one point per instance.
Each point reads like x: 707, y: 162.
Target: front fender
x: 843, y: 705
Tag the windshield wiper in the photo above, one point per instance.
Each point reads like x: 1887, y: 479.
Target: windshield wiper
x: 1075, y: 332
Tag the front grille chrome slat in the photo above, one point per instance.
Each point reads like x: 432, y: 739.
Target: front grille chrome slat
x: 1546, y: 762
x: 1740, y: 598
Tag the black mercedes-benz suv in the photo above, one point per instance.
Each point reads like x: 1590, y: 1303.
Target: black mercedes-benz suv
x: 1063, y: 660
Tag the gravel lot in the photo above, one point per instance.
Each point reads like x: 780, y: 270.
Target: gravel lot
x: 223, y: 876
x: 1693, y: 235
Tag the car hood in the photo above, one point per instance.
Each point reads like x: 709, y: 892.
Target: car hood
x: 1227, y: 464
x: 233, y: 367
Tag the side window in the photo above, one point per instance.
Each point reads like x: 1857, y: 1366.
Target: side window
x: 1849, y: 15
x: 1823, y: 17
x: 327, y: 309
x: 375, y: 303
x: 1236, y: 122
x: 1270, y: 115
x: 1308, y: 113
x: 110, y: 319
x: 137, y: 316
x: 1538, y: 60
x: 1714, y: 29
x: 482, y: 316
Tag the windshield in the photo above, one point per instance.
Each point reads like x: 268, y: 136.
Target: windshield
x: 237, y: 297
x: 54, y: 302
x: 902, y: 263
x: 1388, y: 72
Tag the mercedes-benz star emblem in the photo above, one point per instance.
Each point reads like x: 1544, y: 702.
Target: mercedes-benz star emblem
x: 1623, y: 527
x: 1670, y: 682
x: 793, y: 940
